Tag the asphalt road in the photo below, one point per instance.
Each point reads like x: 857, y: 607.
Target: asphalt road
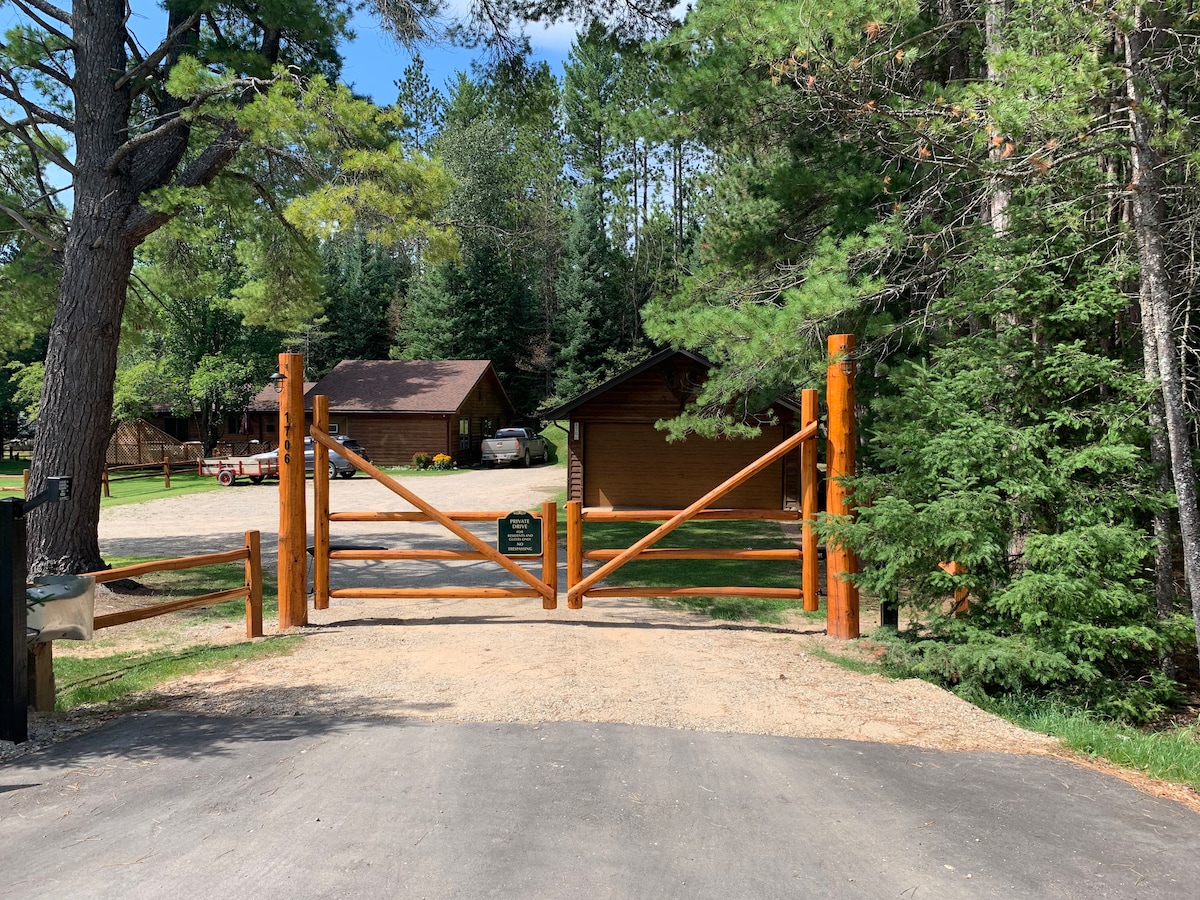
x: 163, y: 805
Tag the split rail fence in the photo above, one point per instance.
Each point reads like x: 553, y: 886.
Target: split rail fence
x: 161, y: 470
x: 250, y: 554
x: 41, y: 655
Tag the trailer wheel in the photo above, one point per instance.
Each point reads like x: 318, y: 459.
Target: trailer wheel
x: 226, y: 477
x: 256, y: 479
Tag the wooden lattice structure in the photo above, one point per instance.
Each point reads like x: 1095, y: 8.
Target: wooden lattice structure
x: 141, y: 444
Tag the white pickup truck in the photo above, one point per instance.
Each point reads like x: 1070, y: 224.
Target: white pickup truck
x: 514, y: 445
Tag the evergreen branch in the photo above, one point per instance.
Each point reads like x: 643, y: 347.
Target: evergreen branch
x: 29, y: 228
x: 45, y: 150
x: 32, y: 110
x: 200, y: 173
x: 263, y: 195
x: 178, y: 121
x: 53, y: 12
x: 57, y: 74
x: 148, y: 64
x: 49, y: 9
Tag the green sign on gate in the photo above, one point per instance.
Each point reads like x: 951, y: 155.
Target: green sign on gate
x: 520, y: 534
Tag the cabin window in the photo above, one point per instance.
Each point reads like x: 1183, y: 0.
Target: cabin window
x: 485, y: 427
x: 464, y: 434
x: 176, y: 427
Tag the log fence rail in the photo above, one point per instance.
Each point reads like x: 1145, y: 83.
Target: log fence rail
x: 41, y: 655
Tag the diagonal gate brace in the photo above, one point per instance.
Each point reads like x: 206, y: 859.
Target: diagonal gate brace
x: 489, y: 552
x: 575, y: 594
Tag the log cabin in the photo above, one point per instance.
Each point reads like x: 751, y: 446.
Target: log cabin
x: 617, y: 459
x: 398, y: 408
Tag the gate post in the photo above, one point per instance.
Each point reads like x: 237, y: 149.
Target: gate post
x: 808, y: 503
x: 550, y: 552
x: 841, y: 611
x: 293, y: 527
x: 574, y: 549
x: 320, y: 506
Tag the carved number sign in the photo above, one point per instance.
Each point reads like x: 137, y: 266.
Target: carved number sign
x: 520, y: 534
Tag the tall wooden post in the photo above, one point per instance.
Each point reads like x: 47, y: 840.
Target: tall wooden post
x: 550, y: 552
x: 808, y: 503
x: 574, y: 550
x: 321, y: 506
x: 293, y: 527
x: 841, y: 611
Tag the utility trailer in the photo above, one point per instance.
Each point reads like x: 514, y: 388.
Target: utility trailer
x: 229, y: 469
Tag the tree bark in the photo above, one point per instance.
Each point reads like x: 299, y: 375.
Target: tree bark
x: 996, y: 213
x: 81, y: 356
x: 1160, y: 459
x: 1148, y: 223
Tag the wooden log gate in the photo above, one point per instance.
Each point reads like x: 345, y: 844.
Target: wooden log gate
x: 842, y: 608
x: 545, y: 586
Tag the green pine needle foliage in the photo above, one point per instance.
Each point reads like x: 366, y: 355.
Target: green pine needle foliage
x: 1017, y: 449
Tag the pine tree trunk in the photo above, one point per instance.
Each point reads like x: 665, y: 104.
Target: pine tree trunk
x: 81, y: 358
x: 996, y: 213
x: 1147, y: 209
x: 1160, y: 459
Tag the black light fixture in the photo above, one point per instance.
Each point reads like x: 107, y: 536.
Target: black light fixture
x: 277, y: 381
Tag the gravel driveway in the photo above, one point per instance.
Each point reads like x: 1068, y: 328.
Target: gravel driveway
x: 617, y: 660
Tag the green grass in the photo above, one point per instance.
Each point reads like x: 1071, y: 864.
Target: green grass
x: 135, y: 490
x: 557, y: 438
x: 105, y: 679
x: 1170, y: 754
x: 13, y: 466
x: 850, y: 663
x: 754, y: 534
x: 140, y: 490
x: 194, y: 582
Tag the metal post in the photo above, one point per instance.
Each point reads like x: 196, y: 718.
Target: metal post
x: 14, y: 691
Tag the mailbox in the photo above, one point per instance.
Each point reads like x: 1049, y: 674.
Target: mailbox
x: 61, y: 608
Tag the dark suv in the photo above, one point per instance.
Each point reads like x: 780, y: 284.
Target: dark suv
x: 338, y: 464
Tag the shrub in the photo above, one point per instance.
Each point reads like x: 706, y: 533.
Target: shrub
x: 1017, y: 449
x: 422, y: 460
x: 441, y: 461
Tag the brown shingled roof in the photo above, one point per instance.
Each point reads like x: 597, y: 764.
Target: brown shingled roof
x: 389, y: 385
x: 267, y: 400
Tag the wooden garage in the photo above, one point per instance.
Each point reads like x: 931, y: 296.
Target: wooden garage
x: 397, y: 408
x: 618, y: 459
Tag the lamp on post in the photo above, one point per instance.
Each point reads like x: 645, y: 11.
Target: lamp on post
x: 277, y: 381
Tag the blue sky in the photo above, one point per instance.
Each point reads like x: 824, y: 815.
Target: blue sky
x: 373, y: 62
